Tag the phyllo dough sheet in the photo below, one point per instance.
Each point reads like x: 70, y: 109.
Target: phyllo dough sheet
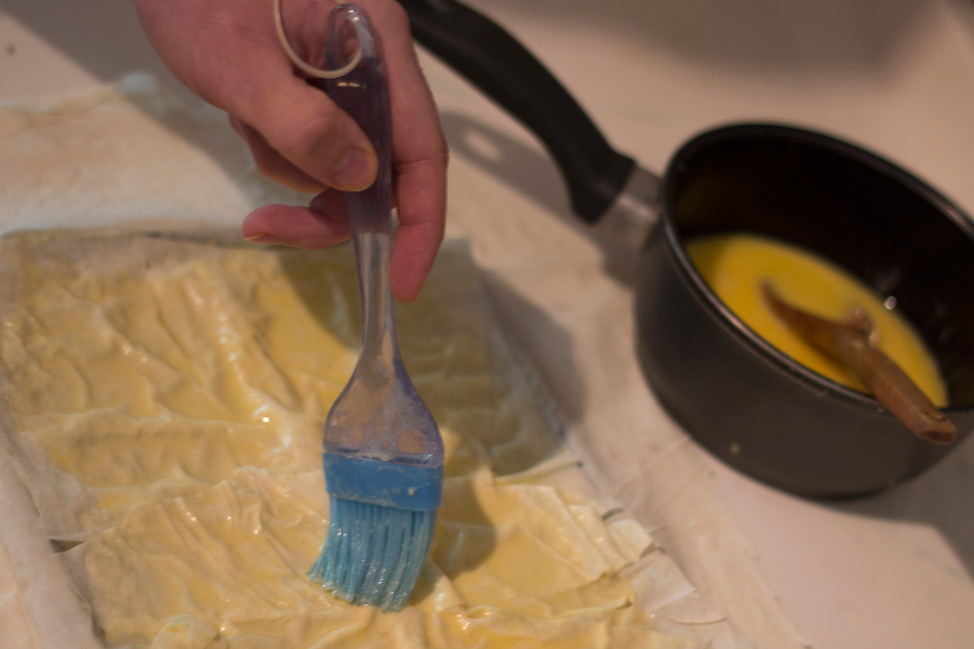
x: 165, y: 401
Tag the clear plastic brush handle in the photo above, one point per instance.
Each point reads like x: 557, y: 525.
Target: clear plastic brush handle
x: 405, y: 431
x: 363, y: 93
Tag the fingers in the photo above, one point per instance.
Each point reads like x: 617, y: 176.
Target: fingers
x: 228, y: 52
x: 422, y: 215
x: 322, y: 224
x: 419, y: 154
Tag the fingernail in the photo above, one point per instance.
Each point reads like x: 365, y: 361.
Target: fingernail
x: 355, y: 172
x: 265, y: 238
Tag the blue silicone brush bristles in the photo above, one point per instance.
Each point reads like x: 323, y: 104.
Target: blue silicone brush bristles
x: 374, y: 552
x: 379, y: 563
x: 383, y: 455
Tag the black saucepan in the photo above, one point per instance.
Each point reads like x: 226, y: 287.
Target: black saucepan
x: 747, y: 403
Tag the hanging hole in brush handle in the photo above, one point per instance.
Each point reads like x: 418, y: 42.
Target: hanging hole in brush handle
x: 305, y: 67
x: 494, y: 61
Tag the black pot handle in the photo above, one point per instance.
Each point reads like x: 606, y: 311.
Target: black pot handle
x: 494, y: 61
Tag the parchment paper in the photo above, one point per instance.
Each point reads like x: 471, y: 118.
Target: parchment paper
x: 134, y: 157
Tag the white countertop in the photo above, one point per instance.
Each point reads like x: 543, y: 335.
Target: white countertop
x: 896, y: 76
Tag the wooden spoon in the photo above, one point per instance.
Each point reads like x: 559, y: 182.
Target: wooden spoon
x: 849, y: 343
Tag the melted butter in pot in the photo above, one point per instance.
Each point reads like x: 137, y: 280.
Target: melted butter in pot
x: 736, y: 265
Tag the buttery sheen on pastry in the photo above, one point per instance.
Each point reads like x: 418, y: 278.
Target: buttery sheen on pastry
x: 166, y: 397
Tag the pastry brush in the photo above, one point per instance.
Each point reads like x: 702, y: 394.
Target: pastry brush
x: 383, y: 454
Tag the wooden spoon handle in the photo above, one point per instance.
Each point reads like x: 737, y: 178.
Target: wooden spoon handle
x: 895, y: 390
x: 884, y: 378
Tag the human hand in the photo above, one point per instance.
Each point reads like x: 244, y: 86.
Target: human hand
x: 228, y: 52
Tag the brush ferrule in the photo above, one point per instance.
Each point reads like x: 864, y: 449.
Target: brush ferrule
x: 387, y: 483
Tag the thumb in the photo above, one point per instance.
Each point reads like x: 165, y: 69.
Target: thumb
x: 305, y: 127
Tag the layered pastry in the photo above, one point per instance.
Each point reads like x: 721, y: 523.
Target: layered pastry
x: 165, y: 401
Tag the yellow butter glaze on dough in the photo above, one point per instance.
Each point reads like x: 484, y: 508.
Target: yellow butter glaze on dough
x: 183, y: 399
